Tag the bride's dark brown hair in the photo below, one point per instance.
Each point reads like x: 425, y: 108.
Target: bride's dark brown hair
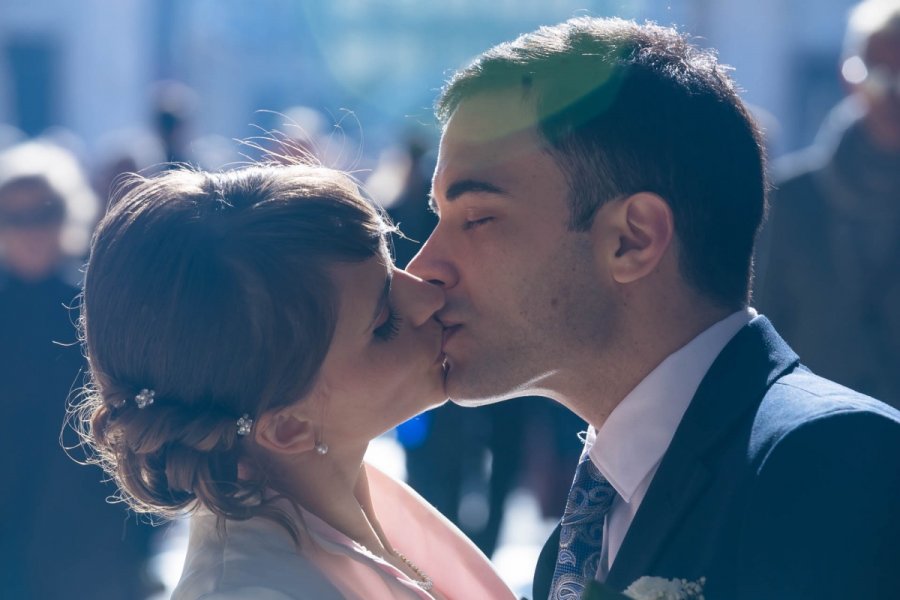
x: 212, y: 290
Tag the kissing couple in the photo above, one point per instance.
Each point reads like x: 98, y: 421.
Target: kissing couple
x: 600, y: 186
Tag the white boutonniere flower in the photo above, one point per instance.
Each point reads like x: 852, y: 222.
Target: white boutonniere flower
x: 658, y: 588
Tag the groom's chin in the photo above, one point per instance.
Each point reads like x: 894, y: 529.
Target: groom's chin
x: 473, y: 402
x: 470, y: 396
x: 440, y: 403
x: 467, y: 389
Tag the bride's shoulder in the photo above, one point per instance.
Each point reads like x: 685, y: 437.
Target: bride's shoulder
x: 242, y: 593
x: 255, y: 558
x: 256, y: 578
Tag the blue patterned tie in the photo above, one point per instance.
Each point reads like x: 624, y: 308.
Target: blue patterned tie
x: 581, y: 532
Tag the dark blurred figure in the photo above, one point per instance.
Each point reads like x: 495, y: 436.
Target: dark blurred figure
x: 174, y: 105
x: 59, y: 538
x: 830, y: 264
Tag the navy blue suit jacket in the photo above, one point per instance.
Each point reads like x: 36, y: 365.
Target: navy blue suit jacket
x: 778, y: 484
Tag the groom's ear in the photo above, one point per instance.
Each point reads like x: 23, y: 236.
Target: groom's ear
x: 638, y: 231
x: 286, y: 431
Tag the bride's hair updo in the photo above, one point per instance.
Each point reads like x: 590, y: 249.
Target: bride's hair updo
x: 211, y: 290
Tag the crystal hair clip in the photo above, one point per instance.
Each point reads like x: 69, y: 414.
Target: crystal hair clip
x: 144, y: 398
x: 244, y: 425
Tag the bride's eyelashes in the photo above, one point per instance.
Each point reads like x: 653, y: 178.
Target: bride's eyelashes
x: 388, y: 330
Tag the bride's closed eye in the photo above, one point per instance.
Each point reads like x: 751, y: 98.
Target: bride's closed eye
x: 388, y: 330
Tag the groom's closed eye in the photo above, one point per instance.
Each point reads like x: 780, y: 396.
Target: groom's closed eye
x: 473, y: 222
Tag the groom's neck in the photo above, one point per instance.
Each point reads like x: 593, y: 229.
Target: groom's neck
x: 650, y: 332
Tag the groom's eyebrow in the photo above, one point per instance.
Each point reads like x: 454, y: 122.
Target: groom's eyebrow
x: 463, y: 187
x: 383, y: 298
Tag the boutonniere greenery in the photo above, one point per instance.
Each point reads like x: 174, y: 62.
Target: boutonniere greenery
x: 648, y: 588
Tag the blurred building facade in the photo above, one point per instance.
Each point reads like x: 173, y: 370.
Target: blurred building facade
x: 88, y: 66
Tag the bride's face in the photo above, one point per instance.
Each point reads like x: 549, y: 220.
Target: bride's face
x: 384, y: 364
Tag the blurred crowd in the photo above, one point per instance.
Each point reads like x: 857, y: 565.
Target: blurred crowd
x: 829, y: 268
x: 828, y: 275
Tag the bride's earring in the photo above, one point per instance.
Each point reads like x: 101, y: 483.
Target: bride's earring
x: 321, y: 447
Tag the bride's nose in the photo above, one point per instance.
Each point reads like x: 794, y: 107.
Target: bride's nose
x: 419, y: 299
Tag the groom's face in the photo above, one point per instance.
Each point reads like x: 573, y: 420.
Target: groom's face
x: 521, y: 288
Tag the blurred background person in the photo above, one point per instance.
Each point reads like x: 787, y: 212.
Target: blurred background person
x: 830, y: 267
x: 50, y: 505
x: 174, y: 105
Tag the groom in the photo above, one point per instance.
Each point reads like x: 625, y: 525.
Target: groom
x: 599, y: 187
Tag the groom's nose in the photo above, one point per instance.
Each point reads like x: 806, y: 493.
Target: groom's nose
x: 434, y: 263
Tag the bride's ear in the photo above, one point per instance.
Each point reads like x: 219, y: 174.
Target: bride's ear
x: 286, y: 431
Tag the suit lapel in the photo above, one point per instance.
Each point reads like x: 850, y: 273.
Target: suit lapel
x: 733, y: 387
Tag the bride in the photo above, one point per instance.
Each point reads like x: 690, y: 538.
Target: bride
x: 248, y: 336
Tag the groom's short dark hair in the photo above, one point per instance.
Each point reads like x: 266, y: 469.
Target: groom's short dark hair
x: 626, y: 108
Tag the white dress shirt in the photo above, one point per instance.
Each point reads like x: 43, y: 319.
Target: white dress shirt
x: 631, y: 443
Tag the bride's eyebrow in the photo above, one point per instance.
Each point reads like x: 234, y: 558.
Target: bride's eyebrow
x: 383, y: 298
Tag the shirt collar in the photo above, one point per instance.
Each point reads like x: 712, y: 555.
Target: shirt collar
x: 637, y: 433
